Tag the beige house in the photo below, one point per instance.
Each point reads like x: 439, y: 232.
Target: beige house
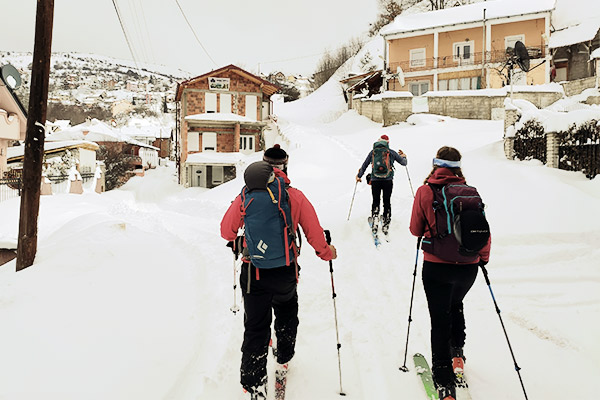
x: 13, y: 122
x: 466, y: 47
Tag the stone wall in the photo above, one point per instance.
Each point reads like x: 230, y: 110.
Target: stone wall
x: 372, y: 110
x: 396, y: 109
x: 539, y: 99
x: 465, y: 107
x: 577, y: 86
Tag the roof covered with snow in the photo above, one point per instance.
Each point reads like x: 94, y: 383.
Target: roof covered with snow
x: 211, y: 157
x: 18, y: 151
x: 574, y: 21
x: 465, y: 14
x: 222, y: 117
x: 584, y: 31
x: 595, y: 54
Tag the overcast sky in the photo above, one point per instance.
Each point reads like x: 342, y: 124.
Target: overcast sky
x: 242, y: 32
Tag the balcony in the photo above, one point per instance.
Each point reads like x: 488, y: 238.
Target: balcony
x: 450, y: 61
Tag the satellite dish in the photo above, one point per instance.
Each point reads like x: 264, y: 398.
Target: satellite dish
x: 400, y: 74
x: 10, y: 76
x: 522, y: 56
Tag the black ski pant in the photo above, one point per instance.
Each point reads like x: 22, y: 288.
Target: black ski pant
x: 273, y: 292
x: 377, y: 187
x: 445, y: 288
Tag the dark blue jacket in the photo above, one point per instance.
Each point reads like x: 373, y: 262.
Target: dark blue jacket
x: 393, y: 157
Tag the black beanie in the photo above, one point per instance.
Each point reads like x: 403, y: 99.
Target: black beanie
x: 276, y: 156
x: 257, y: 175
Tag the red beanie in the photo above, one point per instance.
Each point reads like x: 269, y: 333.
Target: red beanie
x: 385, y: 137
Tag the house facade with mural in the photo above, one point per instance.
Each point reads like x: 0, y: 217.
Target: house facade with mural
x: 221, y: 115
x: 466, y: 47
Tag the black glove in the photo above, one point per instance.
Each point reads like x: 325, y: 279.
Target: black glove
x: 236, y: 246
x: 482, y: 263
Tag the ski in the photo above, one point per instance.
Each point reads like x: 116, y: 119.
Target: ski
x: 280, y: 384
x: 374, y: 225
x: 462, y: 388
x: 423, y: 370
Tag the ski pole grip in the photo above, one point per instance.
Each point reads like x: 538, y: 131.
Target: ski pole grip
x: 327, y: 236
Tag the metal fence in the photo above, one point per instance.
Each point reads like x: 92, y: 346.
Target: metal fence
x: 11, y: 187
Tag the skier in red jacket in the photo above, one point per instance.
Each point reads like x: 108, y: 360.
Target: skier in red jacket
x: 274, y: 289
x: 446, y: 281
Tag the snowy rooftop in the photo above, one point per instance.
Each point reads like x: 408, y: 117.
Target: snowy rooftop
x: 582, y: 32
x: 595, y: 54
x: 17, y: 151
x: 224, y: 117
x: 466, y: 14
x: 209, y: 157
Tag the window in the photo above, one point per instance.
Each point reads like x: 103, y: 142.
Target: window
x: 211, y: 102
x: 193, y: 141
x: 509, y: 41
x: 247, y: 143
x: 217, y: 174
x: 225, y: 102
x: 417, y: 57
x: 209, y: 141
x: 418, y: 88
x: 463, y: 53
x: 252, y: 107
x: 443, y: 84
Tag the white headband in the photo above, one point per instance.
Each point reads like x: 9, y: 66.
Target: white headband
x: 446, y: 163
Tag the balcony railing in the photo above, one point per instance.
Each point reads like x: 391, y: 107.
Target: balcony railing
x: 495, y: 56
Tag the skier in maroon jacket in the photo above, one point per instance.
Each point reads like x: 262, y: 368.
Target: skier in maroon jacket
x: 445, y: 280
x: 272, y: 290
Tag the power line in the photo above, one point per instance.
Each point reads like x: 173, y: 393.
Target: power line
x: 196, y: 36
x: 125, y: 33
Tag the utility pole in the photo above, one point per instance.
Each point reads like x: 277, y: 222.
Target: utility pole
x: 34, y: 139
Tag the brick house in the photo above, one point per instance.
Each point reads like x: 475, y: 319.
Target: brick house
x: 464, y: 47
x: 221, y: 115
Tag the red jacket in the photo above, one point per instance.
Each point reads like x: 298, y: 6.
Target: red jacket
x: 303, y: 213
x: 422, y: 212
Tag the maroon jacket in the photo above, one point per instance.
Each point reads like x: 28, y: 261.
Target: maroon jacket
x: 303, y: 213
x: 422, y: 213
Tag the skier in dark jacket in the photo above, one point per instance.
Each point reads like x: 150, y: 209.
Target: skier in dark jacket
x: 446, y: 281
x: 271, y: 290
x: 382, y: 184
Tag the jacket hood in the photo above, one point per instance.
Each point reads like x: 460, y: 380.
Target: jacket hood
x: 443, y: 176
x: 279, y: 173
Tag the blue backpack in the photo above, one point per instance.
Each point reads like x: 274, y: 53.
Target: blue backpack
x: 268, y: 225
x: 382, y: 167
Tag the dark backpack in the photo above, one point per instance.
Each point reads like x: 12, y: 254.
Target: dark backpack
x: 382, y: 168
x: 268, y: 225
x: 461, y: 227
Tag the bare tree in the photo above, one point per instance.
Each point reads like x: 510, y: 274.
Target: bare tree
x: 388, y: 10
x: 330, y: 62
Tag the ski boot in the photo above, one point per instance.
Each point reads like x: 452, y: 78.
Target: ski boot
x: 256, y: 392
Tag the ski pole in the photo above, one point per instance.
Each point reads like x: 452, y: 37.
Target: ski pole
x: 517, y: 368
x: 352, y: 202
x: 235, y: 307
x: 404, y: 368
x: 410, y: 182
x: 333, y: 295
